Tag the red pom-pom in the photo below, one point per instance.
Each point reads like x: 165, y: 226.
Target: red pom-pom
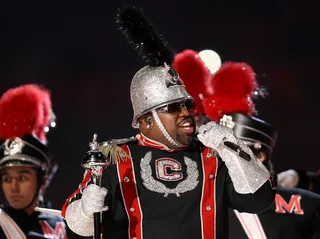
x: 234, y: 78
x: 233, y: 86
x: 215, y: 106
x: 194, y: 74
x: 25, y: 110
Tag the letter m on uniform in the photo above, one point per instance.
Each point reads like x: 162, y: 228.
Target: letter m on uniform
x: 58, y: 232
x: 294, y: 205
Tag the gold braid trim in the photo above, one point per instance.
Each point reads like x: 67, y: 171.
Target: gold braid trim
x: 114, y: 152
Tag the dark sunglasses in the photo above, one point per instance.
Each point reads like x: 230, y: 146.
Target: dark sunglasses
x: 176, y: 107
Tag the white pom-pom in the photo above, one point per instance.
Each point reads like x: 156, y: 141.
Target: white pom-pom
x: 211, y: 59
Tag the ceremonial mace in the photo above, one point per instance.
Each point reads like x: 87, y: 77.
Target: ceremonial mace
x: 95, y: 161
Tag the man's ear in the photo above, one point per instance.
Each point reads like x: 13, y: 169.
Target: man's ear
x: 262, y: 156
x: 145, y: 123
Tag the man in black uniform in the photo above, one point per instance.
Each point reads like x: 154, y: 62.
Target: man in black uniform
x: 166, y: 183
x: 25, y: 112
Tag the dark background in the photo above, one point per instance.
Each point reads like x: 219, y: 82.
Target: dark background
x: 75, y: 49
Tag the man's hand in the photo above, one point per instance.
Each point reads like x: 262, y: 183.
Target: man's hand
x: 288, y: 179
x: 213, y: 134
x: 93, y: 199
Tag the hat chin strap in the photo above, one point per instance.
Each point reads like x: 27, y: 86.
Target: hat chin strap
x: 38, y: 193
x: 164, y: 131
x: 35, y: 197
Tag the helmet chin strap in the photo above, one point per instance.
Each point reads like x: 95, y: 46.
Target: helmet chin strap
x: 38, y: 193
x: 164, y: 131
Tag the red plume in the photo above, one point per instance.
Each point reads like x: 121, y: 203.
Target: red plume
x: 234, y: 78
x: 47, y: 114
x: 233, y: 84
x: 215, y: 106
x: 194, y: 74
x: 25, y: 110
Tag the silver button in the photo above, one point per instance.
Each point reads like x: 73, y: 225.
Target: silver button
x: 132, y: 209
x: 211, y: 176
x: 208, y: 208
x: 134, y: 238
x: 126, y: 179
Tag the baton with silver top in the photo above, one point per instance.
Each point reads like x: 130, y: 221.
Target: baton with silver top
x: 96, y: 162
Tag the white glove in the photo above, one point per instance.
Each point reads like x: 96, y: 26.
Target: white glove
x: 79, y: 214
x: 213, y: 134
x: 288, y: 179
x: 93, y: 200
x: 247, y: 176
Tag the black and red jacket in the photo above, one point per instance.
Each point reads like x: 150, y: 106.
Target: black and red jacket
x: 156, y: 194
x: 295, y: 214
x: 34, y: 226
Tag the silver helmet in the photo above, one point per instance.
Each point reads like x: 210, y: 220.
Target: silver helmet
x: 156, y: 84
x: 154, y: 87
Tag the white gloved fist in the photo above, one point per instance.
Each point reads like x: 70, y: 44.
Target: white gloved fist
x: 213, y: 134
x: 288, y: 179
x: 93, y: 199
x: 247, y: 175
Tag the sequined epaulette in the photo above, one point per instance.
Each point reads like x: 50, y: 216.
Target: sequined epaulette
x: 118, y: 141
x: 112, y: 149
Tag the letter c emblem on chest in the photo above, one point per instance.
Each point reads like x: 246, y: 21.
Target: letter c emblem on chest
x: 168, y: 169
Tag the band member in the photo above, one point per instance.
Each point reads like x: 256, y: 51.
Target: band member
x: 25, y: 115
x: 166, y: 183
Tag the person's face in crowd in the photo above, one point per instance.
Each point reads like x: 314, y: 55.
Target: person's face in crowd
x: 19, y: 185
